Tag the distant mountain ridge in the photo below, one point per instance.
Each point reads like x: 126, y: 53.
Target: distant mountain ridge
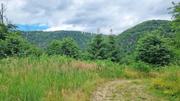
x: 41, y: 38
x: 127, y: 39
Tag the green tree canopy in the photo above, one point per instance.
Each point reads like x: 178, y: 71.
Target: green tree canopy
x: 176, y: 17
x: 98, y: 48
x: 113, y: 49
x: 67, y: 47
x: 3, y: 31
x: 151, y: 49
x: 54, y: 47
x: 12, y: 43
x: 176, y: 27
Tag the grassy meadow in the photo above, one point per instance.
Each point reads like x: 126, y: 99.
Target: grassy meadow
x: 58, y: 78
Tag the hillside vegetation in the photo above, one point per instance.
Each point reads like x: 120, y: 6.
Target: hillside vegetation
x: 42, y: 39
x: 128, y: 39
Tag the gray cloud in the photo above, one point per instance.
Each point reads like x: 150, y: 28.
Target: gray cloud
x: 87, y: 15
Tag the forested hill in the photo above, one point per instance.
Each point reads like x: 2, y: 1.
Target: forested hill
x: 42, y: 39
x: 128, y: 39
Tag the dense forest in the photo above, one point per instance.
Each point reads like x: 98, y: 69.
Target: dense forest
x: 42, y: 39
x: 127, y: 40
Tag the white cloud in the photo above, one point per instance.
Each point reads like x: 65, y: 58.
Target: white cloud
x: 87, y: 15
x: 65, y: 27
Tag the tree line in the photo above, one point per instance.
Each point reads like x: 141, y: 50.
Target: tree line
x: 98, y: 48
x: 153, y: 48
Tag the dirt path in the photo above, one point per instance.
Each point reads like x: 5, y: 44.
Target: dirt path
x: 123, y: 90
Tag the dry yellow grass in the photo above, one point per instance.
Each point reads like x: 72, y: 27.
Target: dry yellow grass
x: 83, y: 65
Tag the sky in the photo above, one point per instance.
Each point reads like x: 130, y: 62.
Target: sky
x: 84, y: 15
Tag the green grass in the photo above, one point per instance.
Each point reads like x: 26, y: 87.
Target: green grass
x: 167, y: 83
x: 57, y: 78
x: 36, y: 79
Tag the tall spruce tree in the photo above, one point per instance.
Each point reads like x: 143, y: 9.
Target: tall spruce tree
x: 98, y: 48
x: 113, y: 49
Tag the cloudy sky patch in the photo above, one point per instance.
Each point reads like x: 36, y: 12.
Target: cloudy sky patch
x: 86, y: 15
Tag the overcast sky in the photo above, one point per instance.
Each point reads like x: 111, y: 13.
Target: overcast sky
x: 85, y: 15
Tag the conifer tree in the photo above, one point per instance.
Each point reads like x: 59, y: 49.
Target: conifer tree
x: 113, y: 49
x: 67, y: 47
x: 153, y: 50
x: 98, y: 48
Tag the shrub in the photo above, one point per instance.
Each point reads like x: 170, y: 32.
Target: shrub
x: 152, y: 49
x: 142, y: 67
x: 54, y: 47
x: 69, y: 48
x: 66, y: 47
x: 84, y: 55
x: 3, y: 31
x: 12, y: 43
x: 34, y: 51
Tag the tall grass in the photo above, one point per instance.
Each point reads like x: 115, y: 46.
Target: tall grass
x: 167, y: 83
x: 58, y: 78
x: 49, y: 78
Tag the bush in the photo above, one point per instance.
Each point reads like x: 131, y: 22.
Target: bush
x: 14, y: 45
x: 152, y: 49
x: 3, y: 31
x: 3, y: 47
x: 54, y: 47
x: 34, y: 51
x: 67, y: 47
x: 142, y: 67
x: 84, y: 55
